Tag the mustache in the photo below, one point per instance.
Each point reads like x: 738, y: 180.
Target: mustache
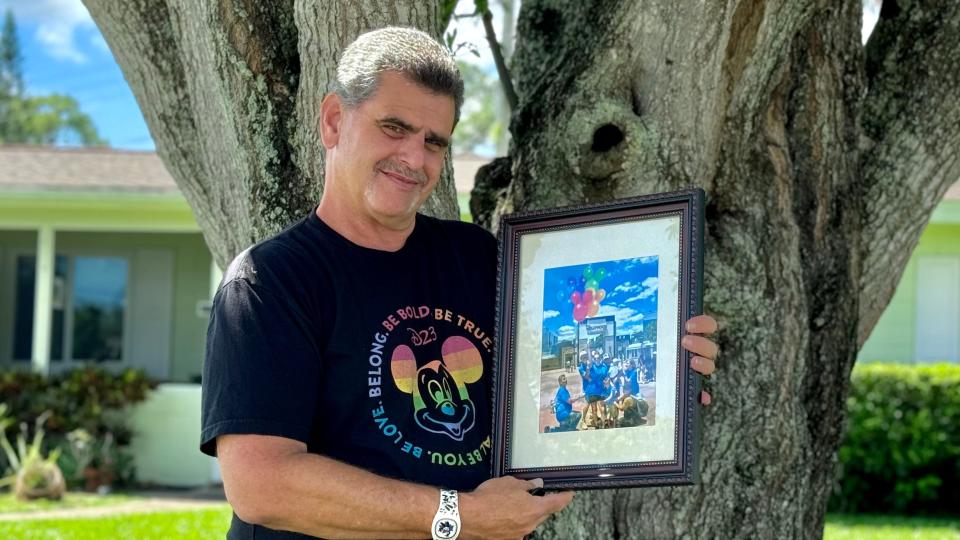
x: 389, y: 165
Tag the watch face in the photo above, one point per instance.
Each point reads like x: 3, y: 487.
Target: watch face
x: 446, y: 529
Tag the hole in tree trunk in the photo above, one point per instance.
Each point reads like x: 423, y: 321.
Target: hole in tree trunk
x: 606, y: 137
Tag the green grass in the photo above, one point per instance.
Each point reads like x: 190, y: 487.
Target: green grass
x: 9, y: 503
x: 881, y: 527
x: 188, y: 525
x: 463, y: 201
x: 213, y: 522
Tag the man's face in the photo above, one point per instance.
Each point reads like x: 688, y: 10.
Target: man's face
x: 387, y: 153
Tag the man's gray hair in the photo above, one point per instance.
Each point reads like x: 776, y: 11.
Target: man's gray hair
x: 407, y: 51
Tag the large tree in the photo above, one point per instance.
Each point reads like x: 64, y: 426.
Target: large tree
x: 822, y: 160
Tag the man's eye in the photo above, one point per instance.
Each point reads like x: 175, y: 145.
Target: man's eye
x: 435, y: 146
x: 393, y: 130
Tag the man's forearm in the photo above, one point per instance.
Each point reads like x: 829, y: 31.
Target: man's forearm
x: 319, y: 496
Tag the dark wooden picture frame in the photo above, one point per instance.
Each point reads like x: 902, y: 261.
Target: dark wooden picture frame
x: 537, y: 248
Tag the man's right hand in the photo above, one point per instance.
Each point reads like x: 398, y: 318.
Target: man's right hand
x: 504, y: 508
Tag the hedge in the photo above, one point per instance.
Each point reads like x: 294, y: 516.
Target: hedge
x: 902, y: 448
x: 90, y: 397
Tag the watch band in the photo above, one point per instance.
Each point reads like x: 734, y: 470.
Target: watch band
x: 446, y: 524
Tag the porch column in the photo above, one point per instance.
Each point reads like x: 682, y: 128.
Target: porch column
x: 215, y: 276
x: 42, y: 300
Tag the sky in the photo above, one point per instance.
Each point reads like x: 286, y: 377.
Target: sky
x: 631, y: 292
x: 64, y: 52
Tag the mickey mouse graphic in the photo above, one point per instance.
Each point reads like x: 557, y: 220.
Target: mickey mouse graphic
x: 441, y: 401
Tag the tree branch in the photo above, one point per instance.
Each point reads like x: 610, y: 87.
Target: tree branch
x: 912, y: 123
x: 505, y: 80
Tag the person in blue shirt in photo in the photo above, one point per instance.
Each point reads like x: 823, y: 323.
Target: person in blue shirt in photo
x: 563, y: 407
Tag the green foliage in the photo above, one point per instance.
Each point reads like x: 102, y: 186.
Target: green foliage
x: 902, y: 449
x: 26, y: 119
x: 50, y: 119
x: 11, y: 60
x: 91, y: 398
x: 479, y: 125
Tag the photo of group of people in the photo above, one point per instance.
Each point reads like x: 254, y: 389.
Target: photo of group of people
x: 598, y: 363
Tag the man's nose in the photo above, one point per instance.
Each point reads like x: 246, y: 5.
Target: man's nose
x: 413, y: 151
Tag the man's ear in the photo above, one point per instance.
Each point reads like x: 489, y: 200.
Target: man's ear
x: 331, y: 114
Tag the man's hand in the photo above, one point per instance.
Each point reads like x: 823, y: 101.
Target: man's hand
x: 704, y: 349
x: 504, y: 508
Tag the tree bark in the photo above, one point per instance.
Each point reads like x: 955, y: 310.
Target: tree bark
x: 766, y: 105
x: 231, y: 89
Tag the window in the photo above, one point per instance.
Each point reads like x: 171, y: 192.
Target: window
x: 89, y: 306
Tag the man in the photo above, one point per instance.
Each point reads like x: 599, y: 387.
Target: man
x: 567, y: 418
x: 348, y: 358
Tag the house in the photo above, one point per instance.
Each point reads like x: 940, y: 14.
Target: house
x: 123, y: 269
x: 101, y: 260
x: 922, y: 322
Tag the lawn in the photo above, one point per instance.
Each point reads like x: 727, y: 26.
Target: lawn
x: 209, y: 523
x: 882, y: 527
x: 212, y: 522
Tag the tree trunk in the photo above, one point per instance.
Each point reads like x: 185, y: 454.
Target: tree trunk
x: 822, y: 161
x: 759, y: 103
x: 231, y: 91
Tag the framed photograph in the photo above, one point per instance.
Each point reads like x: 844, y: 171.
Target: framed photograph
x: 591, y: 386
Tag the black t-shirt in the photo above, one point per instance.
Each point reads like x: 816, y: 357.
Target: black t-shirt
x: 378, y: 359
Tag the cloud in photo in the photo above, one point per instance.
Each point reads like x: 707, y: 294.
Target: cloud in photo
x: 550, y: 314
x: 627, y: 287
x: 649, y: 289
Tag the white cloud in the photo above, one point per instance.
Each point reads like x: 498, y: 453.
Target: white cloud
x: 549, y: 314
x: 58, y: 22
x: 566, y: 332
x: 623, y: 315
x: 626, y: 287
x: 649, y: 289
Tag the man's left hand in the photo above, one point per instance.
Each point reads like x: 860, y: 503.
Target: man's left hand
x: 705, y: 350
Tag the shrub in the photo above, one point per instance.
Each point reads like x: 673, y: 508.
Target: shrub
x: 91, y: 399
x: 902, y: 447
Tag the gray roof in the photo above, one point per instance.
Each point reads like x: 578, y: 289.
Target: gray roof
x: 46, y: 168
x: 42, y: 168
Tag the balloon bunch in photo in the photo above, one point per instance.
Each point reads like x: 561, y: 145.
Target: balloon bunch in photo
x: 584, y: 292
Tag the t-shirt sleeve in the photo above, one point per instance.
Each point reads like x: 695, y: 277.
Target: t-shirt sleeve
x: 261, y: 371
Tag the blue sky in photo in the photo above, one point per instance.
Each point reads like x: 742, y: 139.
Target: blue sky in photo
x: 631, y: 293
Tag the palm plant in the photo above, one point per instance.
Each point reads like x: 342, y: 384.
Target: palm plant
x: 32, y: 475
